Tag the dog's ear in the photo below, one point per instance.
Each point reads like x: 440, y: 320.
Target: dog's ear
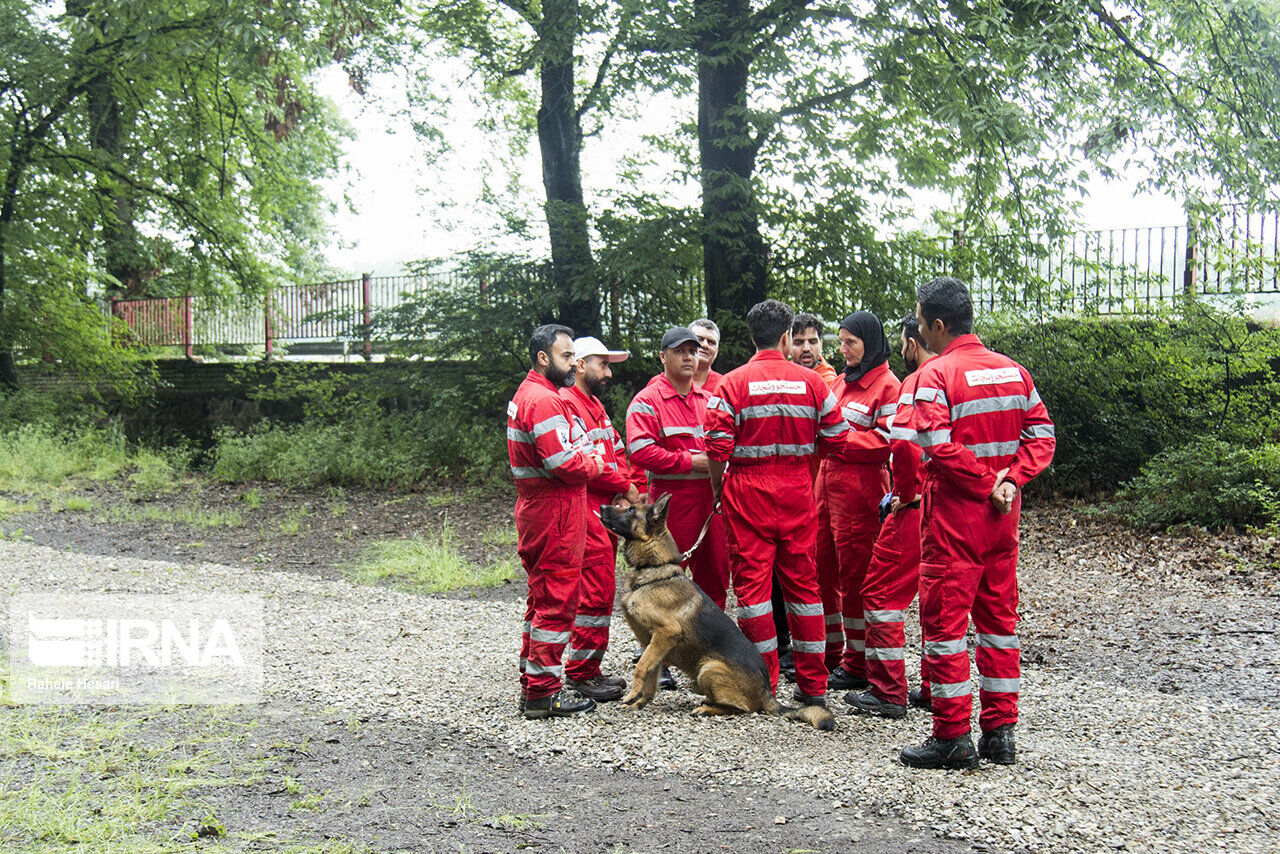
x: 658, y: 513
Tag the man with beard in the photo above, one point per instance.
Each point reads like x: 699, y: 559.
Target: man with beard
x: 806, y: 347
x: 894, y: 574
x: 590, y: 636
x: 551, y: 463
x: 665, y: 438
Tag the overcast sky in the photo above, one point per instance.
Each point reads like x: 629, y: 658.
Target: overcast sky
x: 407, y: 209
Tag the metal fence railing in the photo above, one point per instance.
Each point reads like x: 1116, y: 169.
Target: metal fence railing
x: 1111, y: 271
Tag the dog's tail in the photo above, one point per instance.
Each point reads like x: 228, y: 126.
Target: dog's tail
x: 818, y: 717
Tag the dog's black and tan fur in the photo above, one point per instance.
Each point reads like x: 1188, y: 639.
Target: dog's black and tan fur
x: 681, y: 626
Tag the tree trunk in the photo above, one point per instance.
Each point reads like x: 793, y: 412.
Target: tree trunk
x: 560, y: 141
x: 734, y: 255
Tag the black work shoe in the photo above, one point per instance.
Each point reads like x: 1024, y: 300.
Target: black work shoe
x: 809, y: 699
x: 596, y: 688
x: 998, y: 746
x: 865, y: 701
x: 562, y: 704
x: 842, y: 680
x: 916, y: 697
x: 952, y: 753
x: 667, y: 682
x: 635, y: 656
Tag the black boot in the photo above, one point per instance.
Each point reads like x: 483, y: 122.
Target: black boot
x: 955, y: 752
x: 597, y: 688
x: 916, y: 697
x: 559, y: 705
x: 842, y: 680
x: 998, y: 746
x: 865, y: 701
x: 667, y: 682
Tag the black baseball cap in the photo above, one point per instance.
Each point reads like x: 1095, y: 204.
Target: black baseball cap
x: 677, y: 335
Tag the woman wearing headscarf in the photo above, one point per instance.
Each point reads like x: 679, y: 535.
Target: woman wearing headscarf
x: 850, y: 487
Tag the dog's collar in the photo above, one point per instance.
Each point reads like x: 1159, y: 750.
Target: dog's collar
x: 656, y: 580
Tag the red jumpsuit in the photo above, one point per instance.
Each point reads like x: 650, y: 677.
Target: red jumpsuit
x: 894, y: 574
x: 768, y: 418
x: 664, y: 430
x: 550, y: 462
x: 850, y: 486
x: 637, y: 474
x: 590, y: 637
x: 974, y: 413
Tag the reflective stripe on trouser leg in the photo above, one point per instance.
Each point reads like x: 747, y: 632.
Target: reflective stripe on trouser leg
x: 829, y: 586
x: 995, y: 621
x: 798, y: 575
x: 887, y: 592
x: 553, y: 597
x: 854, y: 550
x: 591, y: 624
x: 808, y: 641
x: 551, y: 530
x: 945, y: 622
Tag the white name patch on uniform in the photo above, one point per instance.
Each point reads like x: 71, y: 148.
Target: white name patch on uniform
x: 993, y: 376
x: 858, y: 407
x: 511, y: 409
x: 777, y: 387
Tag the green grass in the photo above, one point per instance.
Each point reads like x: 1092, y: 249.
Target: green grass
x: 35, y: 458
x: 72, y: 503
x: 291, y: 525
x: 183, y: 514
x: 252, y: 497
x: 13, y: 508
x: 427, y: 565
x: 503, y: 536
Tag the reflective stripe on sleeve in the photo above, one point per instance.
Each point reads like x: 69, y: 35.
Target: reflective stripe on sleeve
x: 523, y: 472
x: 984, y: 450
x: 902, y: 434
x: 1039, y: 431
x: 546, y: 425
x: 683, y: 431
x: 887, y: 409
x: 999, y: 686
x: 828, y: 405
x: 721, y: 404
x: 834, y: 430
x: 637, y: 444
x: 929, y: 438
x: 862, y: 419
x: 556, y: 460
x: 932, y: 394
x: 998, y: 641
x: 514, y: 435
x: 640, y: 407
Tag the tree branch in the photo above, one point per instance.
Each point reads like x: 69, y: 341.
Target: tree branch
x: 593, y: 94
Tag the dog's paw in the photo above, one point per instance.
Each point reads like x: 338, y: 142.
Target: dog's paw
x: 630, y: 700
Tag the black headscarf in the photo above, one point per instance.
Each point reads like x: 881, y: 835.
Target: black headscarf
x: 875, y: 346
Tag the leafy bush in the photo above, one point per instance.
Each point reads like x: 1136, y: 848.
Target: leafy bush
x: 37, y: 456
x: 1209, y: 483
x: 1122, y: 390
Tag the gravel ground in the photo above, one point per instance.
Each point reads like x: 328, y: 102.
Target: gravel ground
x: 1150, y: 720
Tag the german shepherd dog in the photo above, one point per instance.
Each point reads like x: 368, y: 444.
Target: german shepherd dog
x: 680, y: 625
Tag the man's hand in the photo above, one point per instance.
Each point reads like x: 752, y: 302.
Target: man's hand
x: 623, y: 500
x: 898, y: 504
x: 1004, y: 492
x: 698, y: 463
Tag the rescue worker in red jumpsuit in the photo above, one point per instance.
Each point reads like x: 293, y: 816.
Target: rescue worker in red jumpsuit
x: 806, y: 347
x: 665, y: 437
x: 980, y: 420
x: 590, y: 638
x: 850, y: 486
x: 767, y: 419
x: 551, y: 463
x: 704, y: 378
x: 894, y: 574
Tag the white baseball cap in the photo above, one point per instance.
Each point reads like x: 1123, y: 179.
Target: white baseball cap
x: 588, y: 346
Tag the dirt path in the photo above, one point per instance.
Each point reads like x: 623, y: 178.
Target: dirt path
x: 1150, y: 719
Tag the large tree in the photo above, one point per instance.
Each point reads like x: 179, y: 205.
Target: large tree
x: 571, y: 47
x: 170, y: 147
x: 820, y: 117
